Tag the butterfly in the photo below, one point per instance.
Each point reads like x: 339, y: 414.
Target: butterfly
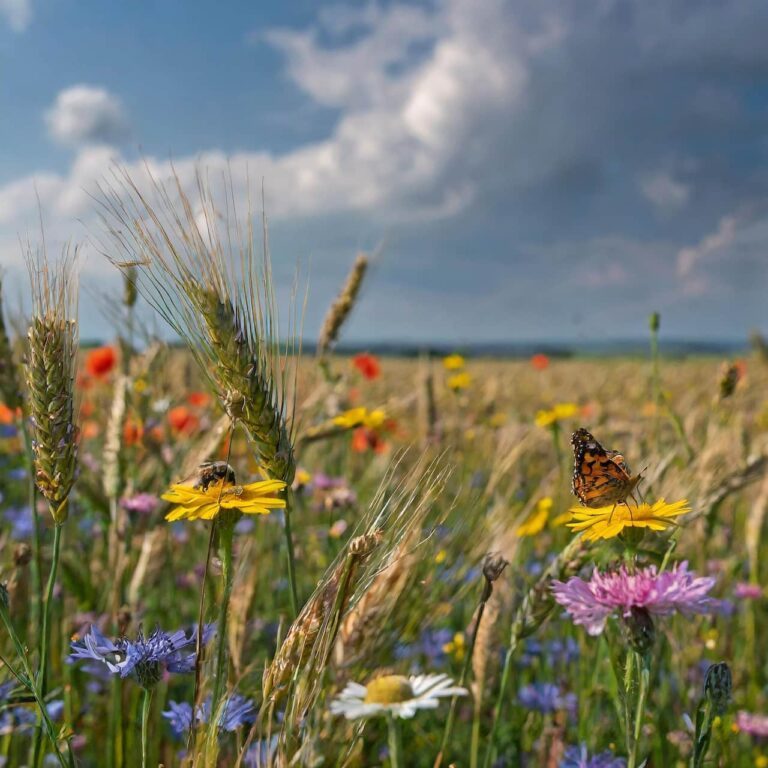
x: 600, y: 477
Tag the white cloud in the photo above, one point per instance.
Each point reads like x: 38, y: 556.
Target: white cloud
x: 664, y: 191
x: 18, y: 13
x: 85, y: 114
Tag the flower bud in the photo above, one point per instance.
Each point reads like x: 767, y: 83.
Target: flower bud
x: 493, y: 566
x: 717, y: 687
x: 22, y: 554
x: 639, y: 630
x: 654, y: 321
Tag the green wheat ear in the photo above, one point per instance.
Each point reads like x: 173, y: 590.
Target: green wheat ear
x: 50, y: 376
x: 192, y: 259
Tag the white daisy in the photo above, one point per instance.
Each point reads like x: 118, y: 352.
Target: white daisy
x: 394, y: 695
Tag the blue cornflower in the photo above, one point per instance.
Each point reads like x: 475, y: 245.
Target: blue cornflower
x: 21, y: 520
x: 260, y: 753
x: 545, y: 698
x: 22, y: 719
x: 578, y: 757
x: 238, y: 711
x: 144, y: 658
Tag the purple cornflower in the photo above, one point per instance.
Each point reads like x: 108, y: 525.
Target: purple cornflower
x: 546, y: 698
x: 754, y: 725
x: 144, y: 658
x: 590, y: 603
x: 141, y: 504
x: 238, y: 711
x: 578, y: 757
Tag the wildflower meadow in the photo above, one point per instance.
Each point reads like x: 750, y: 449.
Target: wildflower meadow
x: 224, y: 544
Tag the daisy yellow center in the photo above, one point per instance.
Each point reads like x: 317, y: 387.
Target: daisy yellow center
x: 389, y: 689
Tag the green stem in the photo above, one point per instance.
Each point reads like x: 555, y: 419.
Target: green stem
x: 641, y: 663
x: 448, y: 732
x: 45, y: 638
x: 28, y: 680
x: 500, y: 698
x: 225, y: 521
x: 37, y: 584
x: 146, y: 705
x: 226, y: 537
x: 290, y: 554
x: 395, y: 742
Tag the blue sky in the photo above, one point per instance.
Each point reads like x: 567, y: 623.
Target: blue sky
x: 527, y: 170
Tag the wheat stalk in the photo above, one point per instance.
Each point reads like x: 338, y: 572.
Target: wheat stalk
x: 10, y: 386
x: 342, y: 305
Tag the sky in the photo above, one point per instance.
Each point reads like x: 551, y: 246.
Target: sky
x: 524, y: 171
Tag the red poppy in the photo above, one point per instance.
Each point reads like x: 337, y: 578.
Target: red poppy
x: 540, y: 361
x: 132, y: 432
x: 7, y: 416
x: 182, y: 420
x: 198, y: 399
x: 364, y: 439
x: 368, y: 365
x: 90, y: 429
x: 99, y: 362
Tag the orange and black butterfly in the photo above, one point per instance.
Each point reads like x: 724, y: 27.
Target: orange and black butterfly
x: 600, y: 477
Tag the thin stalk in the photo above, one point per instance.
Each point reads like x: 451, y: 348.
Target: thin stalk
x: 395, y: 742
x: 641, y: 663
x: 500, y: 701
x: 199, y: 639
x: 37, y: 582
x: 290, y: 555
x: 226, y: 537
x: 448, y: 732
x: 28, y: 680
x: 45, y: 639
x: 146, y: 705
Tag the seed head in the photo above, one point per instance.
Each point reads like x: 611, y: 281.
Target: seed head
x: 654, y: 321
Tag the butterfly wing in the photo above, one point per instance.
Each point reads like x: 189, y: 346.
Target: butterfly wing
x: 600, y: 477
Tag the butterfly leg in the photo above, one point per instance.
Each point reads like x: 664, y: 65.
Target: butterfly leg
x: 613, y: 509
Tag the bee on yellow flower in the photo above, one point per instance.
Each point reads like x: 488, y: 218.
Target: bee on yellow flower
x: 204, y: 501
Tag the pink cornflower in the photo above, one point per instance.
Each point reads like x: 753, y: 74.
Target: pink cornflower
x: 747, y: 591
x: 754, y: 725
x: 590, y: 603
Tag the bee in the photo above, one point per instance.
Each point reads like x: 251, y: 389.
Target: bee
x: 208, y: 473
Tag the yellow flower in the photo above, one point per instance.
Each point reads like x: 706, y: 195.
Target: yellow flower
x: 456, y: 647
x: 302, y: 477
x: 761, y: 761
x: 441, y: 556
x: 361, y: 417
x: 498, y: 419
x: 453, y: 362
x: 195, y: 503
x: 459, y: 381
x: 610, y: 521
x: 560, y: 519
x: 375, y: 419
x: 561, y: 411
x: 140, y: 385
x: 536, y: 521
x: 351, y: 419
